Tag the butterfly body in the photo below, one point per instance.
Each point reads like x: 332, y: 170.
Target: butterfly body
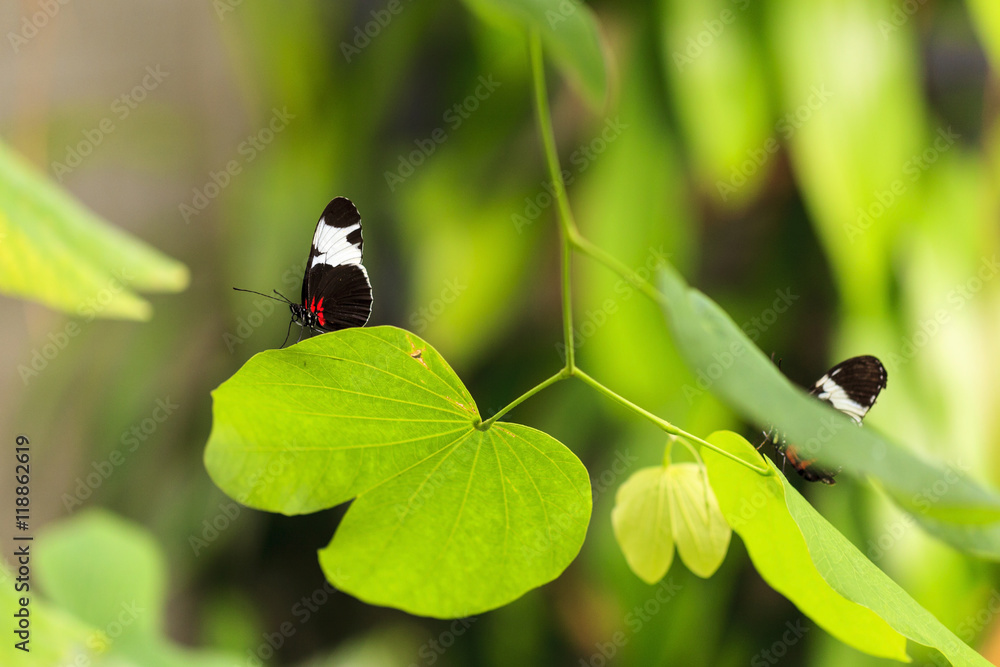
x: 852, y: 386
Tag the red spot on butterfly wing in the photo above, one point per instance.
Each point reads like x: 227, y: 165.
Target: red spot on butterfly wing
x: 319, y: 312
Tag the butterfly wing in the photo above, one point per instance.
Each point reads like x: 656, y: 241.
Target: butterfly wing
x: 336, y: 286
x: 852, y: 386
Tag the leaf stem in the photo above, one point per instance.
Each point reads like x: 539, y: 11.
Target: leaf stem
x: 567, y: 226
x: 664, y: 424
x: 561, y: 375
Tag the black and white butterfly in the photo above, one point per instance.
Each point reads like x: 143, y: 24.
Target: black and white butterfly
x: 336, y: 292
x: 852, y: 387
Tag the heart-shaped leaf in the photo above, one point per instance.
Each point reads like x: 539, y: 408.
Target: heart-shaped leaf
x: 449, y: 519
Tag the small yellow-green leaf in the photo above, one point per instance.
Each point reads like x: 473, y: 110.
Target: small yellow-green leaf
x: 700, y: 531
x: 54, y: 251
x: 659, y: 506
x: 641, y: 521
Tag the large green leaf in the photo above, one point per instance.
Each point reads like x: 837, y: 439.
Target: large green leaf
x: 728, y: 364
x: 808, y: 561
x: 449, y: 520
x: 569, y: 31
x: 55, y: 251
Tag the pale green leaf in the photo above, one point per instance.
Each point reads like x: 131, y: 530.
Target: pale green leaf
x: 641, y: 521
x: 54, y: 251
x: 449, y: 520
x: 660, y: 506
x: 799, y: 554
x: 700, y: 530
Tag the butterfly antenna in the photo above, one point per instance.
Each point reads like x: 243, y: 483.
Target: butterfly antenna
x: 266, y: 296
x: 283, y: 297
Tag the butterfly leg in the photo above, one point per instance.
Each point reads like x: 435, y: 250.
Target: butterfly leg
x: 287, y: 333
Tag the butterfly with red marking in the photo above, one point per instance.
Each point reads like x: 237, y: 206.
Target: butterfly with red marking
x: 851, y: 387
x: 336, y: 291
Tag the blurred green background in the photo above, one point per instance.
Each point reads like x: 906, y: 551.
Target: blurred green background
x: 841, y: 156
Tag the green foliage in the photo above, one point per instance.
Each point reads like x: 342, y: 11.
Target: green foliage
x: 661, y: 505
x: 808, y: 561
x: 55, y: 251
x: 569, y: 31
x: 737, y: 371
x: 110, y: 576
x: 449, y: 520
x: 56, y: 638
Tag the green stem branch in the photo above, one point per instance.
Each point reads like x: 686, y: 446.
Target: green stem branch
x: 571, y: 239
x: 567, y: 226
x: 664, y: 424
x: 561, y: 375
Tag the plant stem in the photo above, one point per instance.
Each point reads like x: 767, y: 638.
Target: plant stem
x: 567, y: 226
x: 570, y: 239
x: 561, y: 375
x: 664, y: 424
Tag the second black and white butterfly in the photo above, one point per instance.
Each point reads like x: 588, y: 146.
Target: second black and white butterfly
x: 336, y: 291
x: 852, y: 386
